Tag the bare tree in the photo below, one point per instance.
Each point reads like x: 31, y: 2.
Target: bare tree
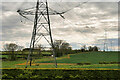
x: 95, y: 48
x: 90, y: 48
x: 11, y: 47
x: 58, y: 43
x: 83, y: 48
x: 61, y: 47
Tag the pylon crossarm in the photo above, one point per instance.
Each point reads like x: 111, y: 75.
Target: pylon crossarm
x: 30, y: 8
x: 39, y: 13
x: 26, y: 17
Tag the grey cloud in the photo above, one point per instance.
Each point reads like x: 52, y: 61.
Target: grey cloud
x: 78, y: 20
x: 15, y: 34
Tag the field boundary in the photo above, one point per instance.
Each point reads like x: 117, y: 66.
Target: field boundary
x: 68, y: 56
x: 65, y: 68
x: 48, y: 64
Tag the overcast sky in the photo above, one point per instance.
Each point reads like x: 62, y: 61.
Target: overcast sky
x: 84, y: 24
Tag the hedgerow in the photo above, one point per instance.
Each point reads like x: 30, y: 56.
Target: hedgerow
x: 28, y: 74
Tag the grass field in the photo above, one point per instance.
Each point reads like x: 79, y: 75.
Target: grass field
x: 69, y: 61
x: 20, y: 53
x: 6, y: 56
x: 90, y: 57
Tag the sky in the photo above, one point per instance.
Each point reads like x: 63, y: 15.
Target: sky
x: 84, y: 24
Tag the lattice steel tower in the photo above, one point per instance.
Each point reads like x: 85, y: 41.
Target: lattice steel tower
x: 41, y: 21
x: 105, y: 42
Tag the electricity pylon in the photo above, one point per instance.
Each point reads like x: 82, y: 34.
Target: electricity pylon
x: 105, y: 42
x: 41, y: 20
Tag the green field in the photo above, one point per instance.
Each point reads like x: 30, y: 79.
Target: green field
x: 6, y: 56
x: 19, y: 54
x: 86, y: 57
x: 24, y: 52
x: 90, y: 57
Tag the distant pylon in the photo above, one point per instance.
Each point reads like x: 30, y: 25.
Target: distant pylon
x: 105, y: 42
x: 111, y: 46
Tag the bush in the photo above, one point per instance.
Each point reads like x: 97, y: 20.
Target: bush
x: 59, y: 73
x: 104, y: 62
x: 109, y: 62
x: 83, y: 63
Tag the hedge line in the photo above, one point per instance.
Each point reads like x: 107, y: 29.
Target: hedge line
x: 60, y: 74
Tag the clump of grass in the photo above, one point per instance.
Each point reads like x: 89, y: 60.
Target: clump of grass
x: 103, y: 62
x: 109, y: 62
x: 84, y: 63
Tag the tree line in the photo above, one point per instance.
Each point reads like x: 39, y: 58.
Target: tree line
x: 61, y: 48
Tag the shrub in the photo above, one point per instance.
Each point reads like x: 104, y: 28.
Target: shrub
x: 83, y: 63
x: 28, y: 74
x: 104, y: 62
